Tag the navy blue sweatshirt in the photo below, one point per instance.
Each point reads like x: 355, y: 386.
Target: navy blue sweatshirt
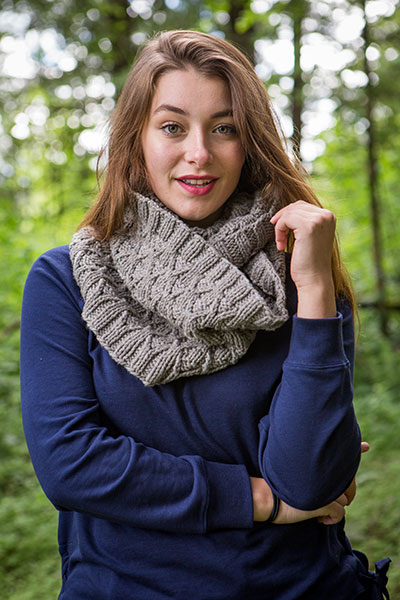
x: 152, y: 483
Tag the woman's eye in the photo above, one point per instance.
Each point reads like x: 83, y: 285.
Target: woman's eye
x: 171, y: 128
x: 225, y: 129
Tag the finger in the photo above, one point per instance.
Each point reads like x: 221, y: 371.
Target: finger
x: 335, y: 514
x: 281, y: 234
x: 330, y: 520
x: 293, y: 206
x: 365, y: 447
x: 275, y: 218
x: 351, y: 492
x: 342, y: 500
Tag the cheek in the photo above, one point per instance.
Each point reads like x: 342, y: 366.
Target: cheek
x: 159, y: 157
x: 237, y: 160
x: 151, y: 153
x: 159, y: 165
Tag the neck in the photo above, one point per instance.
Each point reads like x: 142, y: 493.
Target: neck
x: 207, y: 221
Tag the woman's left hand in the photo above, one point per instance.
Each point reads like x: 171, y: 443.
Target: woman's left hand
x: 311, y: 262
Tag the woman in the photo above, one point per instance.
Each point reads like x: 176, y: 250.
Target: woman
x: 186, y: 390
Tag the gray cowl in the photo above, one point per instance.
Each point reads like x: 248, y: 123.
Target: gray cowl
x: 167, y: 300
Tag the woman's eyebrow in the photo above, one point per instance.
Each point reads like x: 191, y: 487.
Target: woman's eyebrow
x: 169, y: 108
x: 223, y: 113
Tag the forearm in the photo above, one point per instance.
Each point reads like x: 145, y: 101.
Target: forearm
x: 310, y: 441
x: 81, y: 467
x: 82, y: 464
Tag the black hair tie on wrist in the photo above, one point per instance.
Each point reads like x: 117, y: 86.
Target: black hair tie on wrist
x: 275, y: 508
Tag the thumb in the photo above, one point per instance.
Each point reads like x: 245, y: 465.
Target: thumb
x: 334, y: 513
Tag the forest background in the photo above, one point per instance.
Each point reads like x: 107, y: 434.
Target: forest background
x: 332, y: 69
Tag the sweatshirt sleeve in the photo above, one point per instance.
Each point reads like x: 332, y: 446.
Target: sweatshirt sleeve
x: 309, y: 446
x: 80, y: 464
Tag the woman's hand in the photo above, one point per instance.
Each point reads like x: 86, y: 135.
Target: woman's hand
x: 311, y: 263
x: 262, y: 503
x: 327, y: 515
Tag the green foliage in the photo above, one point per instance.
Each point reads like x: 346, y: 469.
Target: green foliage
x: 30, y: 567
x: 340, y: 178
x: 372, y: 522
x: 47, y: 180
x: 341, y: 181
x: 29, y: 564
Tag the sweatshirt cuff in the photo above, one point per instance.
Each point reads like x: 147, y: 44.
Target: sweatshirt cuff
x: 230, y: 498
x: 317, y: 342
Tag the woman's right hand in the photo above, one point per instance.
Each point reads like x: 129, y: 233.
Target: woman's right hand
x: 262, y: 502
x: 327, y: 515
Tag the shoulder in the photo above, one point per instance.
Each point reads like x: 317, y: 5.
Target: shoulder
x: 55, y: 258
x: 52, y: 273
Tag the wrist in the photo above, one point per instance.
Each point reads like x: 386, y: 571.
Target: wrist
x: 316, y: 300
x: 275, y: 508
x: 263, y: 501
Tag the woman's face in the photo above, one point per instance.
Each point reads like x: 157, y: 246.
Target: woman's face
x: 192, y: 152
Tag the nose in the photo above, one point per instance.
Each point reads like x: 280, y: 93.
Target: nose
x: 198, y: 151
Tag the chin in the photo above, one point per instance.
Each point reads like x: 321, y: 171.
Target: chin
x: 203, y: 220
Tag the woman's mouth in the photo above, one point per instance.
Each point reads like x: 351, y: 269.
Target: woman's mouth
x: 197, y: 186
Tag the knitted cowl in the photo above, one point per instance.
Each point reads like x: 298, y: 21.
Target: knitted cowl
x: 167, y: 300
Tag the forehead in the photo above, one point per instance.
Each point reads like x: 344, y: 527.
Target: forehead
x: 190, y: 88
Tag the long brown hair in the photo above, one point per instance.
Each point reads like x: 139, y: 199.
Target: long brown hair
x: 267, y: 165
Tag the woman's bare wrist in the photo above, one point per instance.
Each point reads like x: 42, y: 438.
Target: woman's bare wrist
x: 317, y: 301
x: 263, y: 500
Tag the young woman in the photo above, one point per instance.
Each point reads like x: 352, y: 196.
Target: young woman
x: 186, y: 387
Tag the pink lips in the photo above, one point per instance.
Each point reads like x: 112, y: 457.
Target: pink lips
x: 187, y: 183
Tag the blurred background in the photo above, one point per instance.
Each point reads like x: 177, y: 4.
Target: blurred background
x: 332, y: 69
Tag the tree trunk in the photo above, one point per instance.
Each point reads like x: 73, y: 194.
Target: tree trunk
x: 298, y: 11
x: 243, y: 40
x: 373, y: 183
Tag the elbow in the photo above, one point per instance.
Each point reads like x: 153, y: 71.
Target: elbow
x: 61, y: 481
x: 56, y: 500
x: 57, y: 490
x: 310, y: 480
x: 310, y: 493
x: 316, y: 494
x: 57, y: 494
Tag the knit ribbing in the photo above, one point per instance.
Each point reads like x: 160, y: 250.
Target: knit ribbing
x: 167, y: 300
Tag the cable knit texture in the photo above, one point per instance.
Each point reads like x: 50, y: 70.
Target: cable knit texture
x: 167, y: 300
